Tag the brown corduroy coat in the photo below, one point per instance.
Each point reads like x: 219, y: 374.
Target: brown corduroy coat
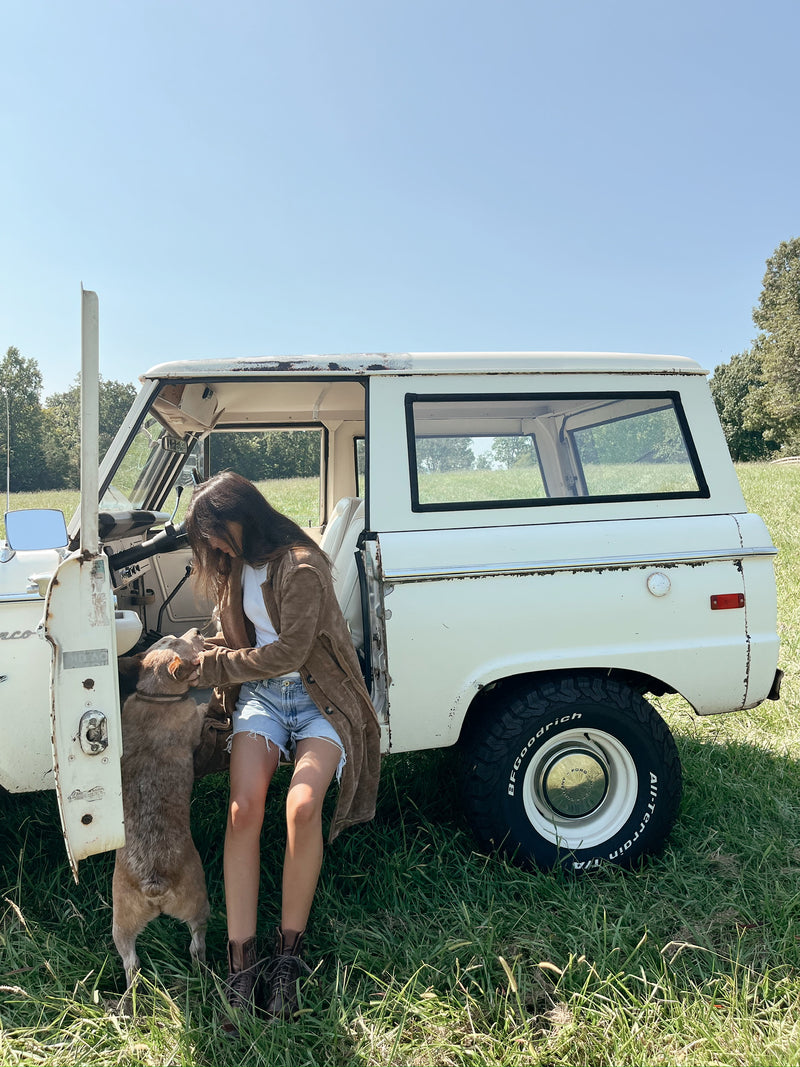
x: 313, y: 639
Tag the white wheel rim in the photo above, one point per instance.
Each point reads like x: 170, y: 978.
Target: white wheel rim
x: 580, y: 788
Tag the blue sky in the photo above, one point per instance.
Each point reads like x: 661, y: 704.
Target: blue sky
x: 391, y: 175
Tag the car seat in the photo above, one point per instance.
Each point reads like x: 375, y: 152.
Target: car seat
x: 339, y: 540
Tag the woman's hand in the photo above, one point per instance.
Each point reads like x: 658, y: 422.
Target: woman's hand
x: 194, y: 677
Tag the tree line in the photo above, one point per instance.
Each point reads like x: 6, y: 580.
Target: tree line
x: 45, y: 437
x: 42, y: 440
x: 757, y: 392
x: 757, y: 395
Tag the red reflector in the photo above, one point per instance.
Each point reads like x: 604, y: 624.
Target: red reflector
x: 724, y: 601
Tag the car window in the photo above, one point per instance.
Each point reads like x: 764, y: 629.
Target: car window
x: 286, y: 465
x: 360, y: 459
x: 544, y: 449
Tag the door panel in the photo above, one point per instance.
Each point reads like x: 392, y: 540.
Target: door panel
x: 86, y: 727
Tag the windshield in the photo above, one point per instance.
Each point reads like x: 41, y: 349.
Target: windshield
x: 148, y: 466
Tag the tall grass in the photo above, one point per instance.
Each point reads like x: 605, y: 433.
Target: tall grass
x: 429, y: 952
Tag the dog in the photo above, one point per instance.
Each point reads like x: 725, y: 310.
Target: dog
x: 159, y: 868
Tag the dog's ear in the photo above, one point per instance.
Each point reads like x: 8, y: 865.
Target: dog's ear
x: 158, y: 662
x: 181, y: 669
x: 174, y: 666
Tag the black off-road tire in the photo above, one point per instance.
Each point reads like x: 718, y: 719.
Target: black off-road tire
x: 574, y: 772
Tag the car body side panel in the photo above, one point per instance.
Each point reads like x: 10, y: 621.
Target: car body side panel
x: 635, y: 596
x: 27, y: 763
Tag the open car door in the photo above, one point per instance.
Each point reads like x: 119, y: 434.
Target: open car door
x: 79, y: 624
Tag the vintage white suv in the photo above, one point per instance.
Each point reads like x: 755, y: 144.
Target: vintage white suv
x: 524, y: 544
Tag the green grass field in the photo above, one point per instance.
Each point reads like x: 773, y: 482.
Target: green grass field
x: 429, y: 952
x: 297, y: 497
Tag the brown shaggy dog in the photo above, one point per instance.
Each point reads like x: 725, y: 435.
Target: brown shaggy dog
x: 159, y: 869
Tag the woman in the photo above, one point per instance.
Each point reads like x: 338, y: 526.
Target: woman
x: 286, y: 669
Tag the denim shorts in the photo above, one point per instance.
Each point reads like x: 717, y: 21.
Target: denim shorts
x: 281, y: 711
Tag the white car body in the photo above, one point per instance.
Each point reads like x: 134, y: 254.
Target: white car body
x: 663, y: 589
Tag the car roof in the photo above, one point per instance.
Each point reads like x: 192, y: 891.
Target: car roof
x: 367, y: 364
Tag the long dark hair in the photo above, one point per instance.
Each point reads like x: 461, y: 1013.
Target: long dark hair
x: 266, y: 533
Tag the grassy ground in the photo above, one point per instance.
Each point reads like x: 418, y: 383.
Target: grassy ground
x: 296, y: 497
x: 429, y: 952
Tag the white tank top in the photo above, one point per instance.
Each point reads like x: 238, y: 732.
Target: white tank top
x: 254, y: 607
x: 256, y: 610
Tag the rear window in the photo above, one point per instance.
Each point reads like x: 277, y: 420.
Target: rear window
x: 502, y: 450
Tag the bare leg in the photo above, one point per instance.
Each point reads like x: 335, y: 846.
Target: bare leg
x: 252, y: 765
x: 316, y: 760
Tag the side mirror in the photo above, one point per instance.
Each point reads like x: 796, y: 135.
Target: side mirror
x: 36, y: 529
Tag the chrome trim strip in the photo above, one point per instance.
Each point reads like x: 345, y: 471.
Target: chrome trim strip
x: 17, y: 598
x: 674, y: 559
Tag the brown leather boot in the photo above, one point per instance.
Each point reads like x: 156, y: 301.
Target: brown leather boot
x: 243, y: 972
x: 285, y: 969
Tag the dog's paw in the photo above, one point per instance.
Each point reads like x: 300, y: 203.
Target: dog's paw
x: 124, y: 1007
